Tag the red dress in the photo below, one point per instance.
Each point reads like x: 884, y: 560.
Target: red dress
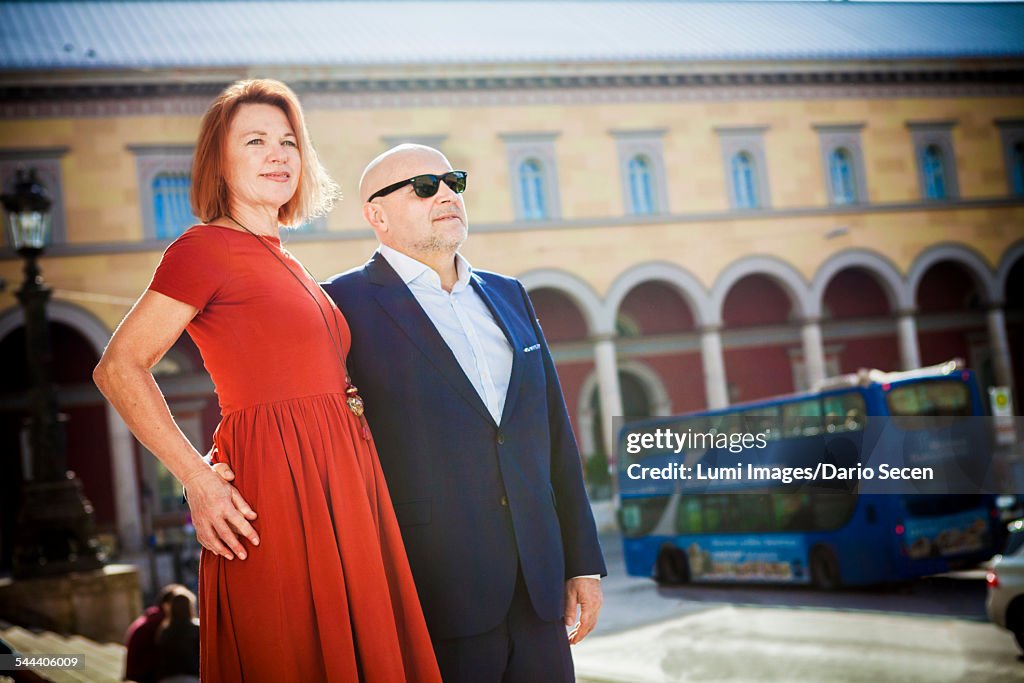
x: 328, y: 594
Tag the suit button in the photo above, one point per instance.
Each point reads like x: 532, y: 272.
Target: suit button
x: 501, y: 439
x: 504, y: 501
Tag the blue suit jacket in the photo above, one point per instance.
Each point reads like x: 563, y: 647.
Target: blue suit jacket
x: 473, y: 498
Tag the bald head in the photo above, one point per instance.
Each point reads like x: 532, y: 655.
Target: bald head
x: 430, y: 229
x: 398, y: 163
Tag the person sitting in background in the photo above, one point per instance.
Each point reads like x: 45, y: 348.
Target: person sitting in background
x: 178, y: 641
x: 143, y: 655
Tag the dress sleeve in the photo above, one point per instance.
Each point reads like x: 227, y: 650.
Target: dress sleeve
x: 194, y: 267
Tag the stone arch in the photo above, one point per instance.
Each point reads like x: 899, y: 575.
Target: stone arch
x: 657, y: 392
x: 122, y: 443
x: 679, y: 279
x: 1010, y: 258
x: 653, y: 384
x: 972, y: 261
x: 576, y: 289
x: 899, y: 295
x: 87, y: 324
x: 785, y: 275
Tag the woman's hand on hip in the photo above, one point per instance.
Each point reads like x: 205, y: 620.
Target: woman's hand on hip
x: 219, y: 512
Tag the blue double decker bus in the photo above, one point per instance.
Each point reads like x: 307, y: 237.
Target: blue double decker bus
x: 738, y: 494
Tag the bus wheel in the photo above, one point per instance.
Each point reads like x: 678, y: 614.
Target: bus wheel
x: 672, y: 567
x: 824, y: 569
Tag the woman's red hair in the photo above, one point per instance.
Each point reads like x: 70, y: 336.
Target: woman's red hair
x: 315, y: 193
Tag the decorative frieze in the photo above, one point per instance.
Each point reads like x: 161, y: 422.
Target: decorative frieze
x: 192, y: 99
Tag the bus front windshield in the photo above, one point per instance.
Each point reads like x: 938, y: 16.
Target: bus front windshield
x: 941, y: 398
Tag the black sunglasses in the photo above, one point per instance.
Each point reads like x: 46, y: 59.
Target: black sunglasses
x: 427, y: 185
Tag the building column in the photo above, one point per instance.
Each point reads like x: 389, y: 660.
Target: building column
x: 910, y: 351
x: 125, y: 482
x: 608, y: 389
x: 1001, y: 362
x: 814, y: 353
x: 715, y: 387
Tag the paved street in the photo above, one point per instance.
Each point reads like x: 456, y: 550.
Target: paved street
x: 929, y: 630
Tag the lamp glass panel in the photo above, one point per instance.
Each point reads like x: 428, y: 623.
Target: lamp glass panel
x: 28, y: 229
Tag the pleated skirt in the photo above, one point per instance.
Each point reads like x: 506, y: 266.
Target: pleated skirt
x: 328, y: 594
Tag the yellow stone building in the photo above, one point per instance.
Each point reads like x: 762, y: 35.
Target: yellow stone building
x: 709, y: 203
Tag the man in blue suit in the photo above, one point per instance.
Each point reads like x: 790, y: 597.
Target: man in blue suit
x: 473, y: 436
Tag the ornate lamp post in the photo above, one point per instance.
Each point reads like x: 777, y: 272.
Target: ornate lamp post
x: 55, y: 524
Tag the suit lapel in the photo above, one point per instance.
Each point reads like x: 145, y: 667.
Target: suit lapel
x: 399, y: 303
x: 501, y: 316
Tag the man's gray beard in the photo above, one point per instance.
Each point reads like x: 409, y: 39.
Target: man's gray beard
x: 437, y: 244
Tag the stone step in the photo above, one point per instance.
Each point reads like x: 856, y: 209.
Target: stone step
x: 111, y: 653
x: 104, y: 663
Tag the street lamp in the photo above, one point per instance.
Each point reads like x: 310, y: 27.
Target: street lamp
x: 55, y: 525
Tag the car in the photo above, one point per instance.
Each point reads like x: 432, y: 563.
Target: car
x: 1005, y: 600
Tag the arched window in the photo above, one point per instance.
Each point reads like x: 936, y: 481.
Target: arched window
x: 841, y: 176
x: 744, y: 181
x: 532, y: 191
x: 1017, y: 170
x: 641, y: 192
x: 171, y: 210
x: 933, y: 165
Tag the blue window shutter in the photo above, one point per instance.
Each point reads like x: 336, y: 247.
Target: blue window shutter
x: 844, y: 187
x: 640, y: 186
x: 744, y: 181
x: 934, y: 169
x: 531, y: 189
x: 1017, y: 169
x: 172, y: 212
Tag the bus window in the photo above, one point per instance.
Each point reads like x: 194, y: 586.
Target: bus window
x: 811, y: 512
x: 725, y: 513
x: 942, y: 398
x: 689, y: 515
x: 763, y: 421
x: 792, y: 512
x: 755, y: 512
x: 694, y: 426
x: 716, y: 512
x: 801, y: 418
x: 682, y: 425
x: 729, y: 423
x: 844, y: 412
x: 639, y: 516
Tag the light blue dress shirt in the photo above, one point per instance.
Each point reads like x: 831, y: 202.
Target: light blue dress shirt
x: 464, y: 322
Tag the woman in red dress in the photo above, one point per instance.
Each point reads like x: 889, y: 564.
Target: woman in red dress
x: 322, y: 590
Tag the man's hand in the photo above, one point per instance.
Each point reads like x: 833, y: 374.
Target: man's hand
x: 584, y: 593
x: 219, y: 513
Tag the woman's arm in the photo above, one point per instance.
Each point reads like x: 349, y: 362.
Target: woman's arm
x: 123, y: 375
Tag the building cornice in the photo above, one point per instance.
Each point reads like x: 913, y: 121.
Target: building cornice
x: 91, y: 93
x: 700, y: 70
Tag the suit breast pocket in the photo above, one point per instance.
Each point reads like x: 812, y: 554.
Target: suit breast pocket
x: 413, y: 513
x: 533, y: 363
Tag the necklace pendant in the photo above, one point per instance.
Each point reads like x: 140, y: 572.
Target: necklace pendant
x: 355, y: 403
